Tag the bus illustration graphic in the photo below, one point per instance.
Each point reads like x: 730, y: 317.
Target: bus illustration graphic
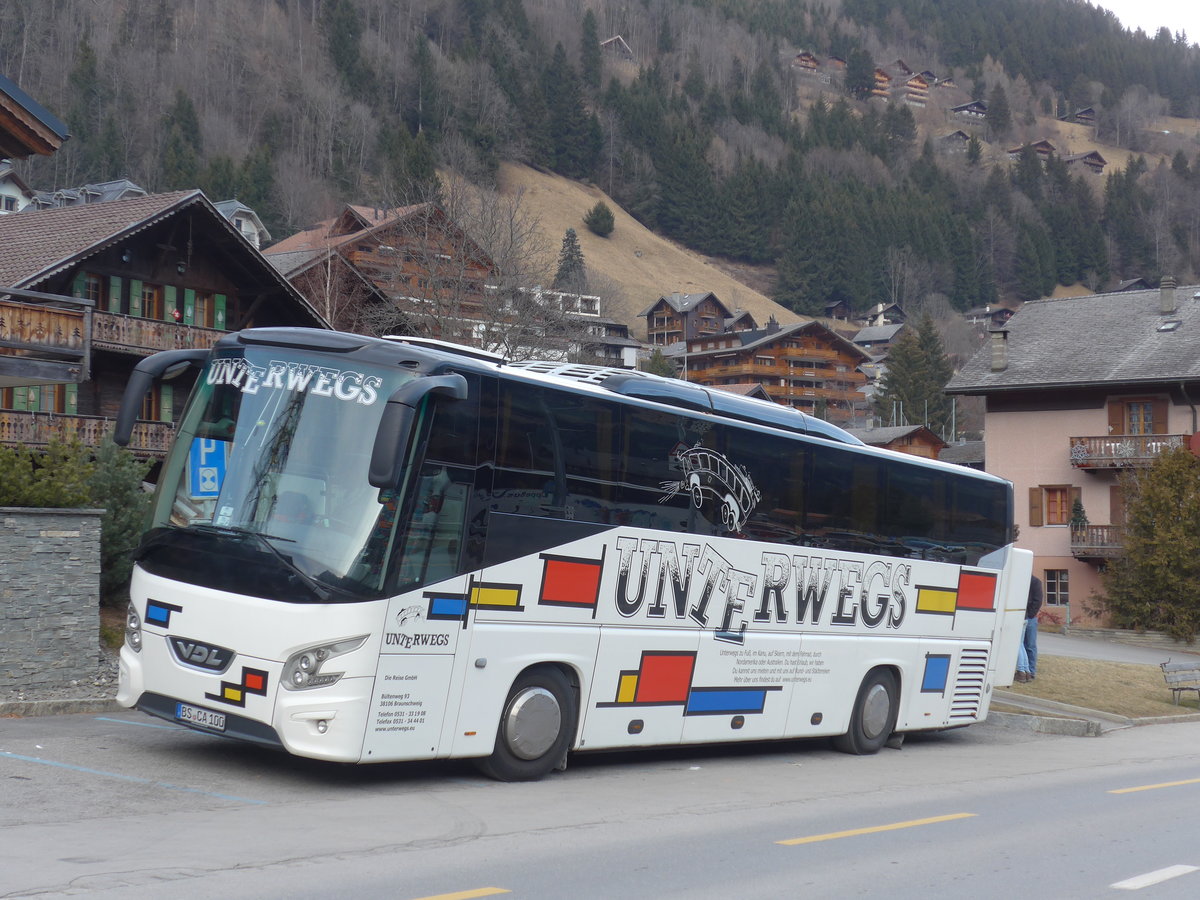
x: 707, y: 475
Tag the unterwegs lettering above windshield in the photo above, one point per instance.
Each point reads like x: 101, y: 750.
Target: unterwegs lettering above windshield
x: 302, y: 378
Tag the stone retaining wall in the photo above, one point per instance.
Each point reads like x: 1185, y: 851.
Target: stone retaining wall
x: 49, y: 596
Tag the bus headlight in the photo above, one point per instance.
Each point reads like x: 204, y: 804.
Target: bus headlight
x: 133, y: 630
x: 303, y: 671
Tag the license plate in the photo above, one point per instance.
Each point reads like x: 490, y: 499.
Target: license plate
x: 203, y: 718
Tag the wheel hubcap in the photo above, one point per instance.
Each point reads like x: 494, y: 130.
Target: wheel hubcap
x: 532, y: 723
x: 877, y: 707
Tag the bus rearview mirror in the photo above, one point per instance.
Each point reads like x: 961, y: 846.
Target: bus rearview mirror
x: 395, y: 427
x: 168, y: 364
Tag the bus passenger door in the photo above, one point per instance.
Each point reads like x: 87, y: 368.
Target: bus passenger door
x: 423, y: 627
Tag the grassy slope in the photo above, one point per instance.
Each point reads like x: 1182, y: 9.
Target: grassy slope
x: 644, y: 265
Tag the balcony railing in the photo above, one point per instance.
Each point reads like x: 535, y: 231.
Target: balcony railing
x: 37, y: 429
x: 44, y: 338
x: 130, y: 334
x: 1121, y: 451
x: 1097, y: 542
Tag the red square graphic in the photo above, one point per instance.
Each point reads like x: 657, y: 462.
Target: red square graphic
x: 976, y: 590
x: 665, y: 677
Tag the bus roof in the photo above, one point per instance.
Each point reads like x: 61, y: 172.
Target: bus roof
x: 429, y: 357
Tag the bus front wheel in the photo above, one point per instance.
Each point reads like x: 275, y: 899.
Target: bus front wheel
x: 874, y: 715
x: 535, y: 727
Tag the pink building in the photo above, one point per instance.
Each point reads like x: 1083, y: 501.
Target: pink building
x: 1079, y: 390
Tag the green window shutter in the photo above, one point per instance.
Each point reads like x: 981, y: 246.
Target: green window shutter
x: 167, y: 403
x: 78, y: 286
x: 219, y: 311
x: 72, y: 399
x: 135, y: 297
x: 168, y: 302
x: 189, y: 306
x: 20, y: 398
x: 114, y: 294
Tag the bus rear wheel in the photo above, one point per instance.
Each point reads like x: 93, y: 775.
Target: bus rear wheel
x: 535, y: 727
x: 874, y: 716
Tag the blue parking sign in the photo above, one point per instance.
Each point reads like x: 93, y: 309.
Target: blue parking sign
x: 206, y: 468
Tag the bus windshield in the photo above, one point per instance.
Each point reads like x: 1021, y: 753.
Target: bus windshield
x: 272, y: 456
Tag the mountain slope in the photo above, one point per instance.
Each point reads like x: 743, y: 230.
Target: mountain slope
x: 639, y: 264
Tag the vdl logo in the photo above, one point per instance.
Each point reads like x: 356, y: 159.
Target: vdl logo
x: 199, y: 655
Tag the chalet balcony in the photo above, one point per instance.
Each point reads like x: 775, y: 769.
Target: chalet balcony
x: 44, y: 338
x: 130, y: 334
x: 36, y: 429
x: 1121, y: 451
x: 787, y: 395
x: 1097, y: 542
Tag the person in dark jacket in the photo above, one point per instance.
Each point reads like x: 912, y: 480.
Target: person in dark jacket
x: 1027, y: 651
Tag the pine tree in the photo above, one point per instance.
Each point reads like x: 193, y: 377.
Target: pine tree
x: 115, y: 484
x: 911, y: 391
x: 1155, y: 584
x: 572, y: 271
x: 600, y: 220
x: 590, y: 62
x: 183, y: 147
x: 658, y: 364
x: 860, y: 74
x: 999, y: 113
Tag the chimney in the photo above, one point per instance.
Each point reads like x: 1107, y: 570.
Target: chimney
x: 1166, y: 296
x: 999, y: 350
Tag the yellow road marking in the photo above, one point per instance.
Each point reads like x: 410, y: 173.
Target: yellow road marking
x: 895, y: 826
x: 1154, y: 787
x: 467, y: 895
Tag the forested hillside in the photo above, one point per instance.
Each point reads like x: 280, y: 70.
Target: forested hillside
x: 698, y: 123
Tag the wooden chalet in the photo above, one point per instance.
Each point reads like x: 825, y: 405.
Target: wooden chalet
x: 807, y: 366
x: 956, y: 141
x: 1091, y: 161
x: 915, y: 440
x: 883, y: 84
x: 414, y: 258
x: 617, y: 46
x: 915, y: 91
x: 806, y: 63
x: 1083, y: 116
x: 1043, y: 148
x: 975, y: 111
x: 26, y: 127
x: 677, y: 317
x: 88, y: 291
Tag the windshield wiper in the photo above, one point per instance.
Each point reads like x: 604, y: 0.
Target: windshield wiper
x: 323, y: 591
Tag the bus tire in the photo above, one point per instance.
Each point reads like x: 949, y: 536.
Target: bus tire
x: 874, y: 716
x: 535, y: 727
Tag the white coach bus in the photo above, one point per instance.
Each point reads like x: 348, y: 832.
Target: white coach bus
x: 369, y: 550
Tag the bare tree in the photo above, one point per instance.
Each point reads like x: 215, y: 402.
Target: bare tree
x: 339, y: 292
x: 471, y: 270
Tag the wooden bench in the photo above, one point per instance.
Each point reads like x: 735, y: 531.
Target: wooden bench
x: 1182, y: 676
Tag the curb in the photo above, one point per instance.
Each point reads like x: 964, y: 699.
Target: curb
x: 1047, y: 724
x: 18, y: 709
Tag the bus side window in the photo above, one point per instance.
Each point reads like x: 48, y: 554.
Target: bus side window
x: 650, y: 445
x: 527, y: 479
x: 776, y: 467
